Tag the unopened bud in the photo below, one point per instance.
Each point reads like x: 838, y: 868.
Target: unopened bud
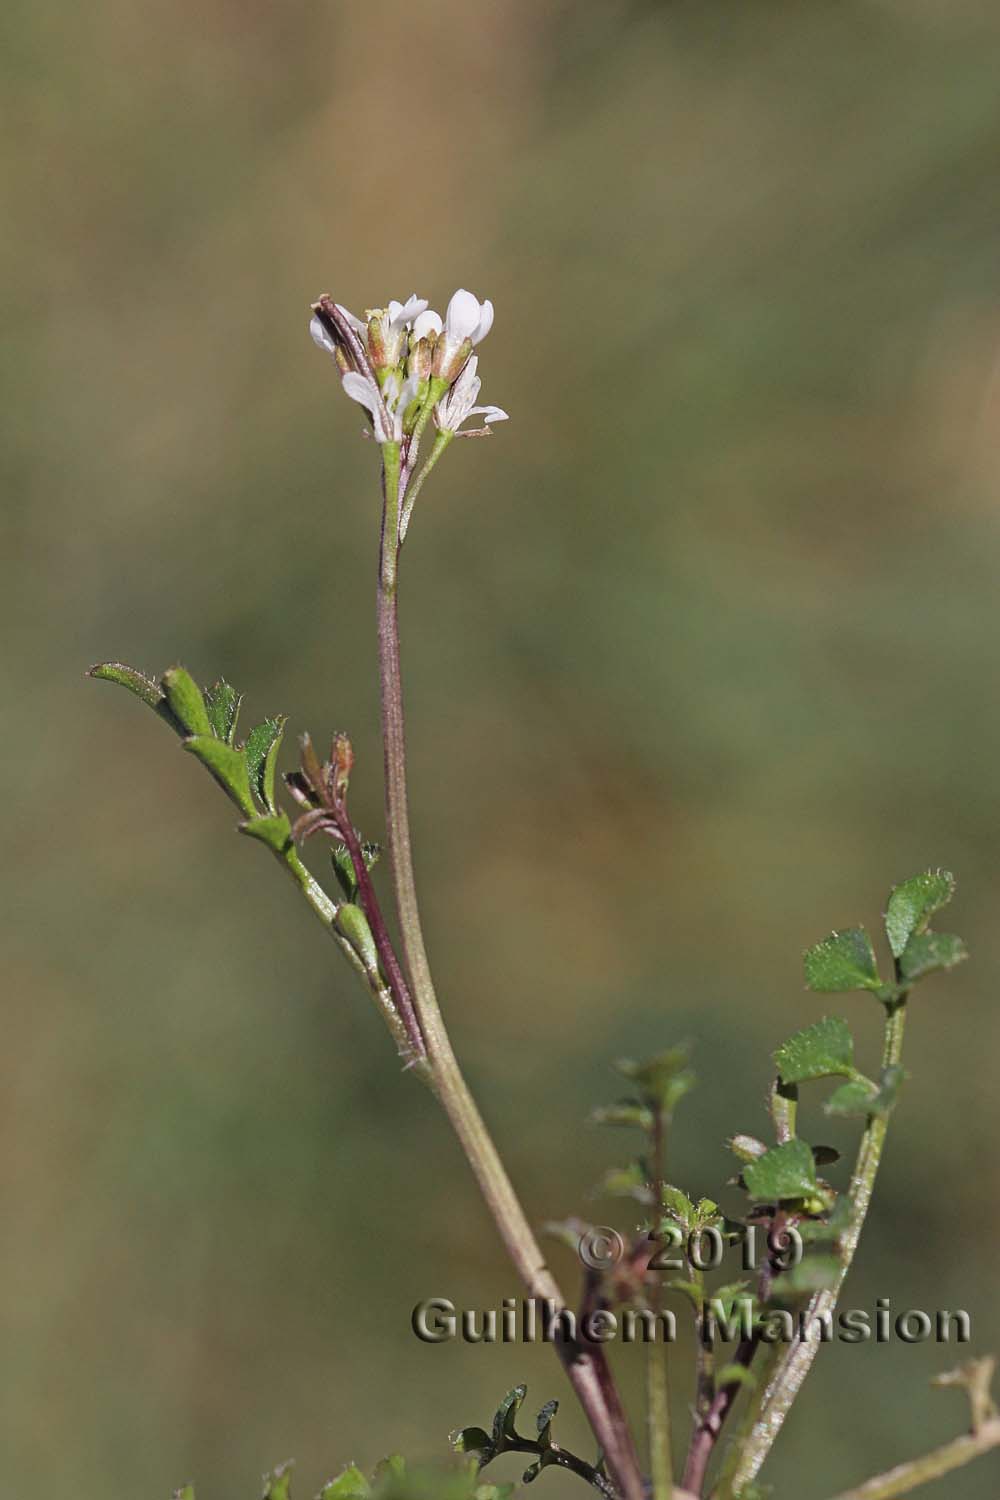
x: 376, y: 342
x: 420, y: 360
x: 448, y: 362
x: 342, y: 756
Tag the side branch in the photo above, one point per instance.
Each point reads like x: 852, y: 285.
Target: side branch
x: 906, y: 1477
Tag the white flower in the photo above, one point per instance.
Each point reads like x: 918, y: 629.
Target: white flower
x: 459, y: 403
x: 466, y: 319
x: 386, y: 407
x: 320, y: 337
x: 393, y: 323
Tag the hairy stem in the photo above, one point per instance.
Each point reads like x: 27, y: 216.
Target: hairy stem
x: 796, y: 1363
x: 906, y: 1477
x: 585, y: 1366
x: 657, y: 1379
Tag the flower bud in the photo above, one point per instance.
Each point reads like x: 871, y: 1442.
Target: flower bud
x: 420, y: 360
x: 450, y: 360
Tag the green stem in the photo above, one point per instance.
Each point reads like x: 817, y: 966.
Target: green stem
x: 585, y: 1366
x: 441, y: 442
x: 796, y: 1363
x: 658, y: 1413
x: 657, y: 1375
x: 738, y: 1436
x: 906, y: 1477
x: 326, y: 910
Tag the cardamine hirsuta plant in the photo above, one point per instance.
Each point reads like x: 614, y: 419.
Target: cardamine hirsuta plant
x: 416, y: 376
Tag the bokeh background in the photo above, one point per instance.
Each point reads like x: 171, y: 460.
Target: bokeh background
x: 701, y: 655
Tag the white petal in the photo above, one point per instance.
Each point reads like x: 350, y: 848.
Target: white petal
x: 462, y: 318
x: 360, y: 389
x: 321, y: 337
x: 356, y: 323
x: 425, y: 323
x: 485, y: 322
x: 413, y: 306
x: 489, y: 414
x: 394, y: 309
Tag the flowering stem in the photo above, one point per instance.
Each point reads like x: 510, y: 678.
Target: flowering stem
x: 796, y: 1363
x: 585, y: 1366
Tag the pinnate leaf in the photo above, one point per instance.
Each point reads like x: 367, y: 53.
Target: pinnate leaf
x: 278, y: 1485
x: 222, y: 704
x: 350, y: 1484
x: 262, y: 746
x: 275, y: 832
x: 144, y: 688
x: 186, y: 701
x: 227, y: 765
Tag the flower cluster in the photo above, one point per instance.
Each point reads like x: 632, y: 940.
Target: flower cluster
x: 405, y: 363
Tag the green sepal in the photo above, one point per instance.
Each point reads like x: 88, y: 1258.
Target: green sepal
x: 222, y: 704
x: 912, y: 904
x: 784, y: 1172
x: 275, y: 832
x: 143, y: 687
x: 822, y: 1050
x: 186, y: 702
x: 843, y: 961
x: 733, y: 1374
x: 352, y: 923
x: 350, y: 1484
x: 262, y: 746
x: 927, y: 952
x: 227, y: 765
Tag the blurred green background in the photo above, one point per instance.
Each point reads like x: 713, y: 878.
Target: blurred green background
x: 700, y: 649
